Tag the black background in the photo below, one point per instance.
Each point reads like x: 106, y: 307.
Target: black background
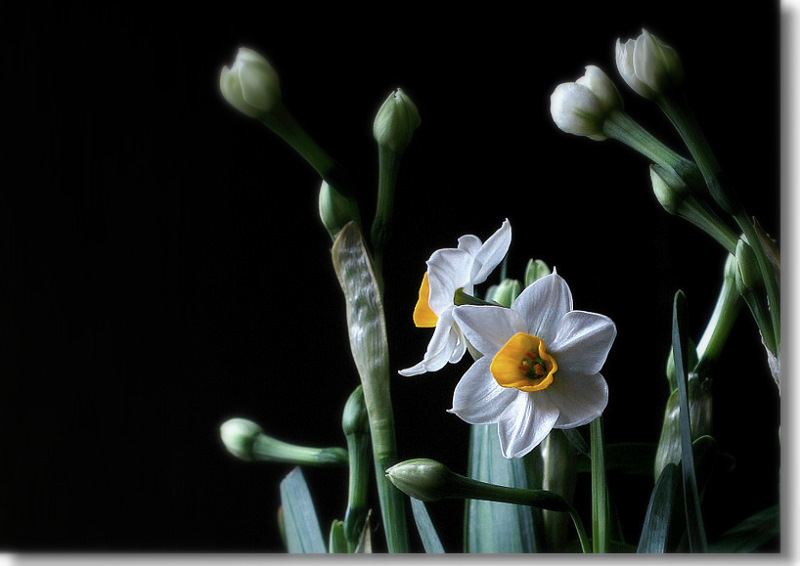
x: 164, y: 268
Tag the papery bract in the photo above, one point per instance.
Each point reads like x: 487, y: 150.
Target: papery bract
x: 540, y: 367
x: 449, y: 270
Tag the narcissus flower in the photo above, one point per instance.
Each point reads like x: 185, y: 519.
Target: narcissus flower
x: 449, y: 270
x: 540, y: 368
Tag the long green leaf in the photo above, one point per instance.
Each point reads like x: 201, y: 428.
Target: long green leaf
x: 625, y: 457
x: 694, y: 518
x: 427, y: 532
x: 665, y: 507
x: 752, y: 533
x: 303, y: 534
x: 492, y: 527
x: 366, y: 326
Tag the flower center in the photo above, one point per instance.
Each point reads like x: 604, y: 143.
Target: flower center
x: 424, y: 317
x: 523, y: 363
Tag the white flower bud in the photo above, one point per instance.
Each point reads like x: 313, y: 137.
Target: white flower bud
x: 648, y: 65
x: 238, y: 436
x: 582, y: 107
x: 251, y: 85
x: 396, y: 121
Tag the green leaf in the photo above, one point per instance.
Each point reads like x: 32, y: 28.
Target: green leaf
x: 578, y: 442
x: 366, y: 327
x: 665, y: 508
x: 694, y: 518
x: 427, y: 532
x: 626, y: 457
x: 492, y: 527
x: 752, y: 533
x: 303, y: 534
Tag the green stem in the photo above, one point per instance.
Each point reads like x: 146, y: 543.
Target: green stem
x: 768, y: 275
x: 281, y: 121
x: 469, y: 488
x: 721, y: 322
x: 600, y: 509
x: 677, y: 110
x: 699, y: 214
x: 621, y: 127
x: 388, y: 167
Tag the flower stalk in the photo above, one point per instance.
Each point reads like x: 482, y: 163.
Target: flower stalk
x: 429, y: 480
x: 366, y: 326
x: 247, y: 441
x: 355, y: 424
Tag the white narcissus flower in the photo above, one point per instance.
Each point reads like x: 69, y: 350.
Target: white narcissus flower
x: 582, y: 107
x: 251, y: 85
x: 648, y: 65
x: 451, y: 269
x: 540, y: 368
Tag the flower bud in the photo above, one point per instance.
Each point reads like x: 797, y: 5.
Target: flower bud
x: 582, y: 107
x: 355, y: 419
x: 670, y: 190
x: 506, y: 292
x: 536, y: 269
x: 396, y: 121
x: 648, y: 65
x: 748, y: 272
x: 421, y: 478
x: 335, y: 210
x: 239, y: 436
x: 251, y: 85
x: 247, y: 441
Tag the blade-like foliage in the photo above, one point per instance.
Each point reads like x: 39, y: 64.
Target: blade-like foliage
x: 427, y: 532
x: 492, y: 527
x: 303, y: 534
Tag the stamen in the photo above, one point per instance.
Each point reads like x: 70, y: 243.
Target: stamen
x: 523, y: 363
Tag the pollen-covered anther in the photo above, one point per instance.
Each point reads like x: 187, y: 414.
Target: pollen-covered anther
x: 523, y: 363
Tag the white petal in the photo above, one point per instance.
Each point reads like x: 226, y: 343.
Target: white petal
x: 525, y: 424
x: 439, y: 349
x: 469, y: 243
x: 448, y: 269
x: 582, y: 342
x: 488, y: 328
x: 491, y: 253
x: 478, y: 399
x: 579, y: 398
x: 460, y: 347
x: 543, y: 304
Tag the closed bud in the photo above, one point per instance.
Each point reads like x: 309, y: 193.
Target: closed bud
x: 670, y: 190
x: 239, y: 437
x: 748, y: 272
x: 336, y: 210
x: 396, y: 121
x: 421, y: 478
x: 506, y: 292
x: 251, y: 85
x: 536, y: 269
x: 648, y: 65
x: 581, y: 107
